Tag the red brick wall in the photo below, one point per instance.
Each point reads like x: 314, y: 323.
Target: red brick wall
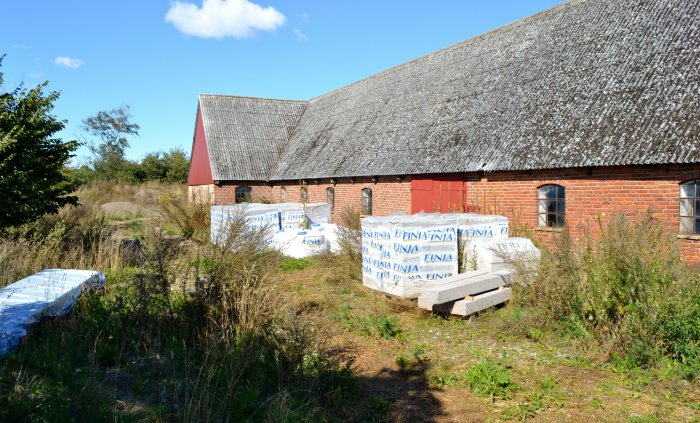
x: 389, y: 194
x: 225, y: 193
x: 591, y: 194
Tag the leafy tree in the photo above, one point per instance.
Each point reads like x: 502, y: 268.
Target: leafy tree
x: 172, y: 166
x: 32, y: 159
x: 111, y: 127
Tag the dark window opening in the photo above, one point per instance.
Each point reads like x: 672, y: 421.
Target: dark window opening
x: 690, y: 208
x: 243, y: 195
x: 283, y: 194
x: 551, y: 205
x: 367, y: 201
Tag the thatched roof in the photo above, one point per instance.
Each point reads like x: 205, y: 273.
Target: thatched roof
x: 587, y: 83
x: 245, y: 136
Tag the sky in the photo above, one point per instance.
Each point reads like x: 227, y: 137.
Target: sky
x: 156, y: 56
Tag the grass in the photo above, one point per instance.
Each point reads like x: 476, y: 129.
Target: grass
x: 185, y: 331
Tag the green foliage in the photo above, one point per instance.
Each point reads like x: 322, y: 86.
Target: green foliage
x: 382, y: 326
x: 629, y: 289
x: 490, y: 379
x: 111, y: 127
x: 32, y: 180
x: 292, y: 264
x: 222, y: 348
x: 172, y: 166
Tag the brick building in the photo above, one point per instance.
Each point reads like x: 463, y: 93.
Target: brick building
x: 577, y: 113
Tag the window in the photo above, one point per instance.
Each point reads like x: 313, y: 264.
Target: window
x: 304, y: 195
x: 367, y: 201
x: 283, y: 194
x: 551, y: 204
x: 330, y: 198
x: 690, y: 208
x: 243, y: 195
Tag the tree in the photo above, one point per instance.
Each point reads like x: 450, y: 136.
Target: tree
x: 32, y: 159
x: 111, y: 127
x: 172, y: 166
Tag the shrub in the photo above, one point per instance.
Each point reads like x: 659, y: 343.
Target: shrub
x: 629, y: 289
x: 350, y: 239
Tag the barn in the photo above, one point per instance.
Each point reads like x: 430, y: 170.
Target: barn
x: 566, y: 117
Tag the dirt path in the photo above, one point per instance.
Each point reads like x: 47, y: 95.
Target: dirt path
x: 554, y: 382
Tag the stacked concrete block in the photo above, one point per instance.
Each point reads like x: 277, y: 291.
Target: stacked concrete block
x: 282, y: 225
x: 261, y: 220
x: 400, y: 254
x: 498, y: 254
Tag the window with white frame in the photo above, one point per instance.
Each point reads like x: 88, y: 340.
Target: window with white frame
x: 330, y: 198
x: 690, y: 208
x: 551, y: 204
x: 367, y: 201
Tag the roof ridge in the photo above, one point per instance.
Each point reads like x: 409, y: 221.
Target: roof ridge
x: 443, y: 50
x: 200, y: 95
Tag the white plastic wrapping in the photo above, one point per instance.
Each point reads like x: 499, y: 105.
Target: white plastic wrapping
x: 285, y: 223
x: 495, y: 255
x: 400, y: 253
x: 51, y: 292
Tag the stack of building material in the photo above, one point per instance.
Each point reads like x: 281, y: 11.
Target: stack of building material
x: 498, y: 254
x: 402, y: 253
x: 50, y: 292
x: 466, y: 293
x: 417, y: 257
x: 471, y: 226
x: 295, y: 229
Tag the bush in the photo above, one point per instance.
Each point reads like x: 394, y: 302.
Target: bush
x: 350, y: 240
x: 196, y: 332
x: 629, y: 288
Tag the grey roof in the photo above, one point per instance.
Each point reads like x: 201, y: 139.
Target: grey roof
x: 587, y: 83
x: 245, y: 136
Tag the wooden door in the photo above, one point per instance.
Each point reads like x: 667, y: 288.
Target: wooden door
x: 438, y: 193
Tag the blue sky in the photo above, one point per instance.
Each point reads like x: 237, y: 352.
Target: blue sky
x: 106, y: 53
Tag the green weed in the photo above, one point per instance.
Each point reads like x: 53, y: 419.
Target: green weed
x: 490, y: 379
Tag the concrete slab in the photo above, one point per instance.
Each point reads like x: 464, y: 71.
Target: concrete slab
x: 475, y: 304
x: 461, y: 288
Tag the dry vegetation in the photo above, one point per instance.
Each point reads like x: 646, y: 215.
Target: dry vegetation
x: 185, y: 331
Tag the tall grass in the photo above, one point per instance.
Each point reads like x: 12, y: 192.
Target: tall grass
x: 629, y: 288
x: 192, y: 332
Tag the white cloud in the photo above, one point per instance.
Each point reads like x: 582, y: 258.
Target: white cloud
x: 305, y: 17
x: 69, y: 62
x: 300, y: 35
x: 223, y: 18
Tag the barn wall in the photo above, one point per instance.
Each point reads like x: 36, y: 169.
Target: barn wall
x: 225, y: 193
x: 389, y: 194
x: 200, y: 193
x: 592, y: 195
x: 200, y: 167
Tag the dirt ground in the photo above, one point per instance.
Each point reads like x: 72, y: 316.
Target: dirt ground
x: 418, y: 375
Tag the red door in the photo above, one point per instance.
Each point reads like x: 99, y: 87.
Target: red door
x: 438, y: 193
